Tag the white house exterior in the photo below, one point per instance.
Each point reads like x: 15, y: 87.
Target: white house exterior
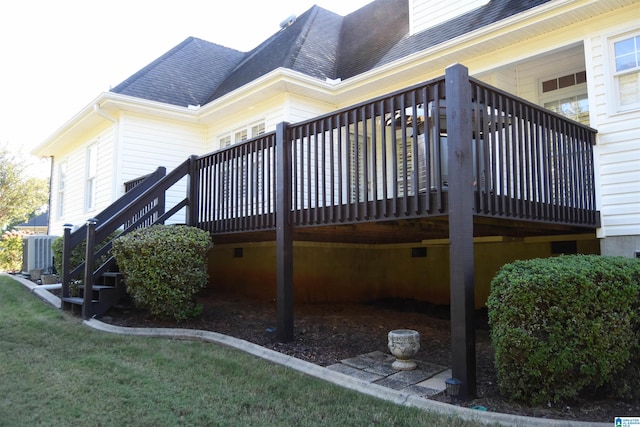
x: 581, y: 57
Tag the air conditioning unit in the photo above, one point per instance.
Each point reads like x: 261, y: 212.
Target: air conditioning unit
x: 37, y: 253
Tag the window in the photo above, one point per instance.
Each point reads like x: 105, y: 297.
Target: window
x: 242, y: 134
x: 257, y: 129
x: 90, y: 186
x: 62, y: 182
x: 567, y: 95
x: 225, y: 141
x: 626, y: 71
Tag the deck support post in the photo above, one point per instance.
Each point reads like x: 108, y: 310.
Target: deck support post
x: 284, y: 236
x: 461, y: 263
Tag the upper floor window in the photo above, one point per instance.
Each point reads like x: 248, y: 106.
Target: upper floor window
x: 225, y: 141
x: 242, y: 134
x: 626, y: 74
x: 567, y: 95
x: 92, y: 171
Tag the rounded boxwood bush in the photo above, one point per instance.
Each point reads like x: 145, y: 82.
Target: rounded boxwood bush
x: 562, y: 326
x: 164, y: 268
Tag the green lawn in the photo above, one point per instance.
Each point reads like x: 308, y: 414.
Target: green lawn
x: 56, y: 372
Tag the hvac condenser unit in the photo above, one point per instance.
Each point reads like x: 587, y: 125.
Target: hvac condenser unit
x: 37, y: 253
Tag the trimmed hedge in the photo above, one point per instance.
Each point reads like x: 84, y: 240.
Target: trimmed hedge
x: 563, y: 326
x: 164, y: 268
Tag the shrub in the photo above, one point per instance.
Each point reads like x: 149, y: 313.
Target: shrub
x: 78, y: 253
x: 11, y: 250
x: 164, y: 268
x: 564, y: 325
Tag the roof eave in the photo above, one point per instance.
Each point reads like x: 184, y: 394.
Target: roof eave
x: 106, y: 107
x: 447, y: 53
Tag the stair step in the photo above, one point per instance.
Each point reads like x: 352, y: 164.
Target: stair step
x: 98, y: 287
x: 76, y: 300
x: 113, y: 274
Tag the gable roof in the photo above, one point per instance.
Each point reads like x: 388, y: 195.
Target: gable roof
x: 185, y: 75
x: 308, y: 45
x: 319, y: 43
x: 41, y: 220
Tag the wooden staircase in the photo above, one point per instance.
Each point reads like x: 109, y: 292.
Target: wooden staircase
x: 108, y: 291
x: 101, y: 285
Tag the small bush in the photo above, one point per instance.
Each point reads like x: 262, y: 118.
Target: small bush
x: 78, y: 253
x: 562, y: 326
x: 164, y: 268
x: 11, y: 244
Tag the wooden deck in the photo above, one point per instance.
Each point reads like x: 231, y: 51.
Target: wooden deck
x: 452, y: 158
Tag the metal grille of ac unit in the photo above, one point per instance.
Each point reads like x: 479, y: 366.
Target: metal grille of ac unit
x: 37, y: 252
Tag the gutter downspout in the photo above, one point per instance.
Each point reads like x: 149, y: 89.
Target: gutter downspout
x: 116, y: 150
x: 49, y: 217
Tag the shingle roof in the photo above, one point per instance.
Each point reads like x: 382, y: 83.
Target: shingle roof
x: 319, y: 43
x: 186, y: 75
x: 493, y: 11
x: 308, y: 45
x: 41, y: 220
x: 369, y: 33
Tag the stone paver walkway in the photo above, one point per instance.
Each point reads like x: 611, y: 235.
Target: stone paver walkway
x: 426, y: 380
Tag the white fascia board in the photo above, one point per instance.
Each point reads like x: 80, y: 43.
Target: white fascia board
x: 105, y: 105
x: 278, y: 81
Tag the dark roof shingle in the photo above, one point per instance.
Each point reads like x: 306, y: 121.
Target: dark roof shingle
x: 308, y: 45
x: 185, y: 75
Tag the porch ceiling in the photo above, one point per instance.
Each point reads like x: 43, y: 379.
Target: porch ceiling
x: 407, y: 231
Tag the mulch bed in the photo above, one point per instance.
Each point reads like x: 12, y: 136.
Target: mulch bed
x: 328, y: 333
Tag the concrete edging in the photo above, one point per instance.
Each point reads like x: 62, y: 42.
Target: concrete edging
x: 316, y: 371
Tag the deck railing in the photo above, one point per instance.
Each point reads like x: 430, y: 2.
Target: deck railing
x: 534, y: 164
x: 388, y: 159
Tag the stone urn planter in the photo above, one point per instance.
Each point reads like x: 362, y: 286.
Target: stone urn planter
x: 404, y: 344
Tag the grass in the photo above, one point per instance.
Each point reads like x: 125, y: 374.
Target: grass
x: 55, y: 371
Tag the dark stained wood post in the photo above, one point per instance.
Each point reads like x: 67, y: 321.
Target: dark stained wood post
x: 66, y: 260
x: 461, y: 266
x: 193, y: 187
x: 89, y: 260
x: 284, y: 236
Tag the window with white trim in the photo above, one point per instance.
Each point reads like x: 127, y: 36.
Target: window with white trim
x: 257, y: 129
x: 626, y: 71
x: 91, y: 175
x: 242, y: 134
x: 62, y: 182
x: 567, y: 95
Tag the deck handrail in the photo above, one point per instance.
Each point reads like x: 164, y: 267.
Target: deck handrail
x: 143, y: 205
x: 386, y: 159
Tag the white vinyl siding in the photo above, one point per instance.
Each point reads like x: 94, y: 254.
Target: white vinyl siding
x: 71, y: 173
x: 618, y: 146
x: 149, y: 143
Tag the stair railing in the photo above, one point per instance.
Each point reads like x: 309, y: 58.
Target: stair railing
x: 142, y: 206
